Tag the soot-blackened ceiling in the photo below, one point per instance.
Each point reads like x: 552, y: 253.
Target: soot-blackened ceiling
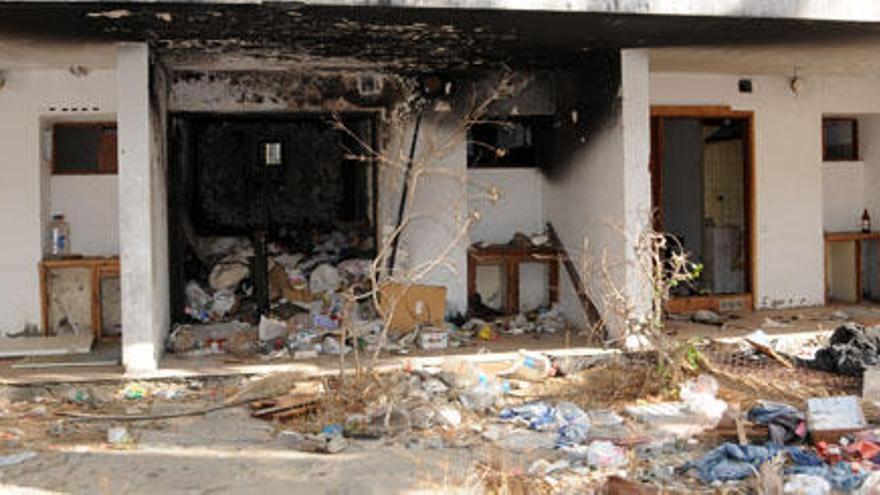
x: 392, y: 37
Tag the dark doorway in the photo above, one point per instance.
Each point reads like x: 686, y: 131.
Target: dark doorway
x: 702, y: 194
x: 275, y: 182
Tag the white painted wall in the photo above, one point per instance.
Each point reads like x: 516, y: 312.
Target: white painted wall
x: 601, y: 203
x: 869, y: 152
x: 25, y: 100
x: 789, y: 173
x: 90, y: 205
x: 843, y: 190
x: 519, y: 208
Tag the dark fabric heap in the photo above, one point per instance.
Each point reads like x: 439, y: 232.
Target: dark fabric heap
x: 782, y: 420
x: 852, y: 348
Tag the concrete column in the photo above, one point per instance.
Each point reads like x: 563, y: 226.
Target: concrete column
x: 636, y: 119
x: 142, y: 224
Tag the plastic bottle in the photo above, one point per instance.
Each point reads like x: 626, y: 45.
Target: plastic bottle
x: 58, y: 237
x: 532, y: 366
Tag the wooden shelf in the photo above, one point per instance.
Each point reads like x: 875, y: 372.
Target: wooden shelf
x: 851, y: 236
x: 510, y: 257
x: 99, y: 268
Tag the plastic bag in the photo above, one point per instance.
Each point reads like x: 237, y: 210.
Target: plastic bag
x: 532, y: 366
x: 699, y: 395
x: 603, y: 454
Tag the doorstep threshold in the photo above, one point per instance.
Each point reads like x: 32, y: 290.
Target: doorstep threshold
x: 181, y: 368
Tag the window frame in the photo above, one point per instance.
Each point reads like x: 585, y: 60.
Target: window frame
x: 856, y: 156
x: 107, y: 161
x: 539, y: 125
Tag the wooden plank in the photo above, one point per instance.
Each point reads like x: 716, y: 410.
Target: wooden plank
x: 66, y: 364
x: 697, y: 111
x: 696, y: 303
x: 511, y: 302
x: 44, y: 298
x: 553, y: 280
x: 96, y: 302
x: 851, y: 236
x: 577, y: 282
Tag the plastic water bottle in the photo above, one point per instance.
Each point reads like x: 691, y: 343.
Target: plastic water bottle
x: 58, y: 238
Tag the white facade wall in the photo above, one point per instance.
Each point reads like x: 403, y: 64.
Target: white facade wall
x: 519, y: 209
x: 602, y: 202
x: 28, y: 196
x: 790, y: 216
x: 91, y: 207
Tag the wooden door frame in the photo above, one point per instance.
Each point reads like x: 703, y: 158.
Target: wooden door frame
x: 658, y: 112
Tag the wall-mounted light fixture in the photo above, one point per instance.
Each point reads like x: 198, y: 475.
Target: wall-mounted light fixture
x: 272, y: 154
x: 79, y: 70
x: 796, y: 83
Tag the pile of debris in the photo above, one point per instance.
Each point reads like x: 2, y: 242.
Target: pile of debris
x: 313, y: 295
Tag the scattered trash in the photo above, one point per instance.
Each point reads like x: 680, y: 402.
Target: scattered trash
x: 532, y: 366
x: 451, y: 417
x: 699, y: 395
x: 78, y: 395
x: 134, y: 391
x: 840, y: 315
x: 324, y: 279
x: 829, y: 418
x: 271, y: 329
x: 569, y: 420
x: 805, y: 484
x: 603, y: 454
x: 478, y: 390
x: 433, y: 340
x: 850, y: 350
x: 118, y: 435
x: 381, y: 423
x: 707, y: 317
x: 785, y: 422
x: 326, y: 442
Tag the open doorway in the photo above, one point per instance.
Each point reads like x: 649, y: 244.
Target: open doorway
x: 701, y: 169
x: 260, y: 205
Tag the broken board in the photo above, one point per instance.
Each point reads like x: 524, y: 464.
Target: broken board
x: 411, y: 305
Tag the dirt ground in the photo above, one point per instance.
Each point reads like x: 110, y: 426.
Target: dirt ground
x: 230, y: 452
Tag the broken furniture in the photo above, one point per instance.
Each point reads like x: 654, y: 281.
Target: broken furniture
x: 510, y: 258
x: 851, y: 266
x: 82, y: 293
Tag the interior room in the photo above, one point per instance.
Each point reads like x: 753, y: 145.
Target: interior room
x: 261, y: 203
x: 701, y: 189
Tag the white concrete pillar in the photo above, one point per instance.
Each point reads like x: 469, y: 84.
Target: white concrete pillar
x: 636, y: 119
x: 143, y: 257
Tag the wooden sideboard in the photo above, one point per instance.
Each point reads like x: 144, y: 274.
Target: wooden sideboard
x: 98, y: 269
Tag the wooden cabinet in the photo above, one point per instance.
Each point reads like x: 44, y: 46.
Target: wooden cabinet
x: 510, y: 258
x: 851, y: 266
x: 83, y: 293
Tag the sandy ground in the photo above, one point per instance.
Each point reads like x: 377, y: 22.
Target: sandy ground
x: 230, y: 452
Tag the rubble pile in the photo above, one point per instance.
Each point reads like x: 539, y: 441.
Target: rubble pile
x: 308, y: 294
x: 851, y: 349
x: 687, y: 443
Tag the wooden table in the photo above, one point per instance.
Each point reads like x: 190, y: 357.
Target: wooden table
x: 99, y: 267
x: 846, y: 237
x: 510, y: 257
